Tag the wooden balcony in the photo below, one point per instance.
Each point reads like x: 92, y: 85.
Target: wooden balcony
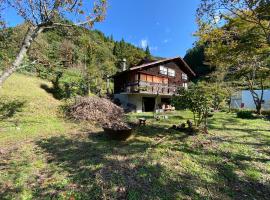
x: 143, y: 87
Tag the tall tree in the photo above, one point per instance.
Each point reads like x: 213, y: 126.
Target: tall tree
x: 195, y: 58
x: 238, y: 41
x: 255, y: 12
x: 45, y: 14
x: 147, y: 52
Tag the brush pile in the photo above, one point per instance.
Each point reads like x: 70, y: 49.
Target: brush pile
x: 99, y: 110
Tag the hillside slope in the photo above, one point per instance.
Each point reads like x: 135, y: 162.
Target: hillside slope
x: 69, y: 48
x: 27, y: 111
x: 79, y: 59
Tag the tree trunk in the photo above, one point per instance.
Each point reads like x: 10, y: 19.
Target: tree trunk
x: 230, y: 101
x: 259, y: 108
x: 256, y: 98
x: 31, y: 34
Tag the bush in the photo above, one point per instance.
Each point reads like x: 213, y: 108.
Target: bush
x: 197, y: 99
x: 266, y: 112
x: 245, y: 114
x: 67, y: 84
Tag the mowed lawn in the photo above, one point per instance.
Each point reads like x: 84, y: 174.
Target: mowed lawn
x: 44, y: 156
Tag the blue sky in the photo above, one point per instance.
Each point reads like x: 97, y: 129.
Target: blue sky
x: 167, y: 26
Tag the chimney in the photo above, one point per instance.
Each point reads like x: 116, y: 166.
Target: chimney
x: 124, y: 64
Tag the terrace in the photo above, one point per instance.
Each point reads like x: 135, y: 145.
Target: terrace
x: 145, y: 87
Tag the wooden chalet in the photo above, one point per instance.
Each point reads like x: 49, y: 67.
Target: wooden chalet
x: 142, y: 87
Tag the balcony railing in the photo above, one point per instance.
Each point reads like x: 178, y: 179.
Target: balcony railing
x: 150, y: 88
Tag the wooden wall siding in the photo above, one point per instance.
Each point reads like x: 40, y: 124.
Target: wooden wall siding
x: 148, y: 74
x: 122, y: 80
x: 153, y: 78
x: 177, y: 80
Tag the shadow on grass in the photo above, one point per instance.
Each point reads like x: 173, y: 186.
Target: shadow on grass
x: 103, y: 169
x: 262, y: 140
x: 51, y: 90
x: 223, y: 123
x: 227, y: 164
x: 8, y: 108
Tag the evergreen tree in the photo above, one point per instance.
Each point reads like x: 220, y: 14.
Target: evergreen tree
x: 147, y: 53
x: 195, y: 58
x: 111, y: 38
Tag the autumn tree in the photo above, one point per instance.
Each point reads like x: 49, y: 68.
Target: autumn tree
x: 47, y: 14
x: 236, y: 34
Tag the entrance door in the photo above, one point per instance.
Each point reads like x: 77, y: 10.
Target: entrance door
x: 149, y: 104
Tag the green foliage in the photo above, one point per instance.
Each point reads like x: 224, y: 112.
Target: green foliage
x: 9, y: 40
x: 240, y: 51
x: 10, y: 108
x: 220, y: 94
x: 132, y: 54
x: 147, y: 53
x: 82, y: 55
x: 72, y: 83
x: 197, y: 99
x: 67, y: 84
x: 195, y: 58
x: 245, y: 114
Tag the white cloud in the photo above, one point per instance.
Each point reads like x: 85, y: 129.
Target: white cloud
x: 144, y: 43
x: 217, y: 19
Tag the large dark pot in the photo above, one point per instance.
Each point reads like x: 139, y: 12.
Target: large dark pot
x: 122, y: 134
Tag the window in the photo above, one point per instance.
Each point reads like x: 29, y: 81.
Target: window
x: 163, y: 70
x: 171, y: 72
x: 184, y: 77
x: 185, y: 85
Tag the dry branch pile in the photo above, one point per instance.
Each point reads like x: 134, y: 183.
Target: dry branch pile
x: 99, y: 110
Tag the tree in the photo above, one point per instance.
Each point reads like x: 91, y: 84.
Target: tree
x: 47, y: 14
x: 239, y: 44
x: 66, y: 53
x: 255, y: 12
x: 195, y: 58
x: 219, y: 92
x: 2, y: 21
x: 123, y: 50
x: 198, y: 100
x: 147, y: 53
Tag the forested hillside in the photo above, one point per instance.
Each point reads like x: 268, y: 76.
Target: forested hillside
x: 76, y: 61
x: 195, y: 58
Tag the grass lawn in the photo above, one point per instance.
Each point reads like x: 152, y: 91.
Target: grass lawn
x: 43, y: 156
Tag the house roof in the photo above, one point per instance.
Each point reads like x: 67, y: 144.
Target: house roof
x: 176, y: 59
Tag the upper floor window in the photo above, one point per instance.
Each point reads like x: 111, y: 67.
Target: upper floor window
x: 184, y: 76
x: 171, y: 72
x: 163, y: 70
